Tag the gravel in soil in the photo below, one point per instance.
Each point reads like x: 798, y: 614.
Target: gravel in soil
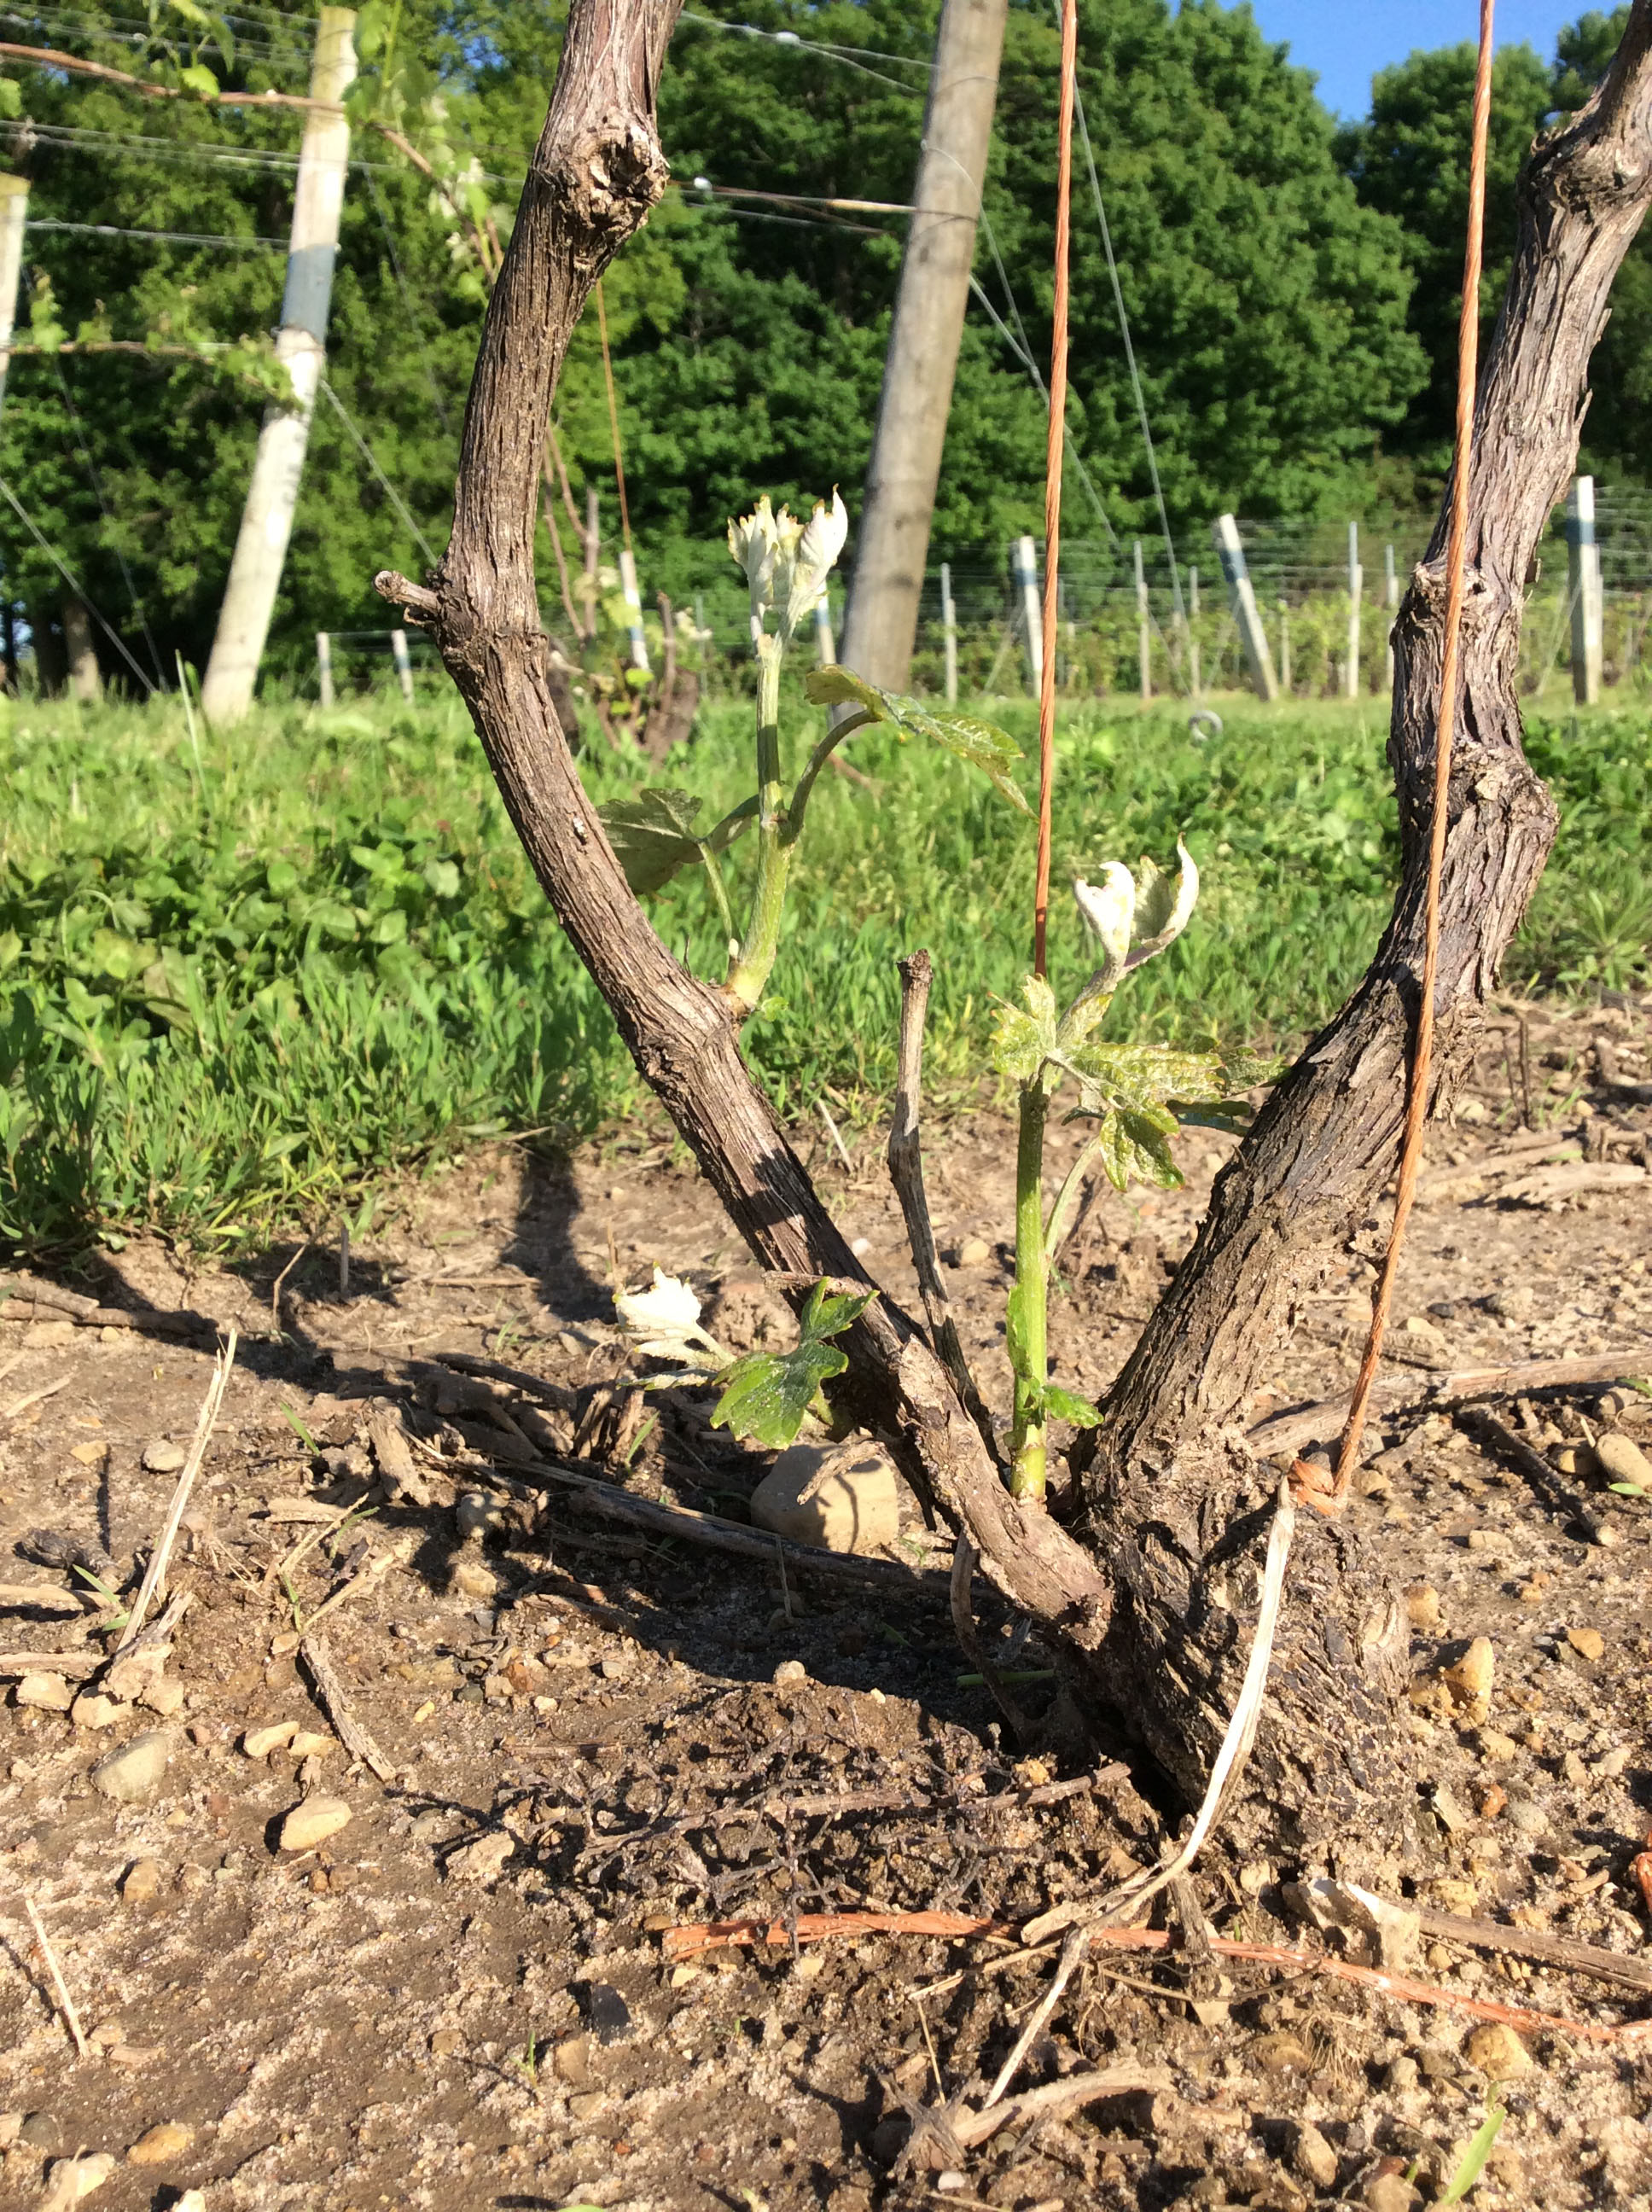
x: 303, y: 1982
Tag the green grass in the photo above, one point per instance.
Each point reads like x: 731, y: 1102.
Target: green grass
x: 237, y: 995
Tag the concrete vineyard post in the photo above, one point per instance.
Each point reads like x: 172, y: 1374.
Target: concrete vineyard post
x: 1195, y: 686
x: 633, y: 599
x: 1391, y: 601
x: 13, y: 219
x: 880, y: 626
x: 1284, y: 647
x: 950, y: 633
x: 85, y: 679
x: 1144, y: 630
x: 592, y: 555
x: 1588, y: 608
x: 1356, y: 588
x: 1024, y: 562
x: 398, y: 654
x: 301, y: 347
x: 324, y: 668
x: 825, y: 648
x: 1247, y: 618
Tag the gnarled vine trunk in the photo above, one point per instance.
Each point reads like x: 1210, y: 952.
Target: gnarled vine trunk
x: 1154, y: 1610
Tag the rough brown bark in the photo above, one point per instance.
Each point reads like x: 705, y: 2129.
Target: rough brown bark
x: 1169, y: 1477
x: 1175, y: 1505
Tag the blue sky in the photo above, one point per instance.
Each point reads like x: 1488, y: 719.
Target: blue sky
x: 1344, y: 44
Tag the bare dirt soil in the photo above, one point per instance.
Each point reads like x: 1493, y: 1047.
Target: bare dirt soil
x: 461, y: 1998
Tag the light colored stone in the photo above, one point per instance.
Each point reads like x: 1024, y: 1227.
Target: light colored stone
x: 312, y: 1821
x: 1314, y: 2158
x: 167, y: 2141
x: 164, y: 1695
x: 141, y: 1881
x: 163, y: 1458
x: 481, y: 1860
x: 1621, y: 1460
x: 1470, y: 1680
x: 275, y: 1735
x: 1389, y: 2192
x: 48, y: 1336
x: 790, y: 1670
x: 473, y: 1578
x: 1587, y: 1643
x: 311, y: 1743
x: 133, y: 1774
x: 49, y: 1693
x: 975, y: 1252
x: 840, y: 1498
x: 92, y: 1710
x: 1498, y: 2052
x: 70, y: 2179
x: 1423, y: 1608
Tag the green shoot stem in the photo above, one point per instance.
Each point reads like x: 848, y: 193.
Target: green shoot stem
x: 713, y: 866
x: 750, y: 970
x: 1067, y: 1199
x: 818, y: 759
x: 1030, y: 1345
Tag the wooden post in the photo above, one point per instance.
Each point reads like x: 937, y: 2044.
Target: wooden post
x: 881, y: 624
x: 324, y: 668
x: 1588, y: 612
x: 1024, y: 561
x: 1247, y: 618
x: 85, y: 678
x: 1144, y: 629
x: 1194, y: 685
x: 398, y: 654
x: 1391, y: 600
x: 633, y: 599
x: 825, y: 647
x: 249, y: 599
x: 950, y: 633
x: 592, y: 555
x: 14, y: 218
x: 1356, y: 588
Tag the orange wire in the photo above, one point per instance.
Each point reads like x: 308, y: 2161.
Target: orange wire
x: 1411, y: 1148
x: 1053, y: 457
x: 613, y: 416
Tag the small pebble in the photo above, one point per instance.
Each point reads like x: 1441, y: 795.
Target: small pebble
x: 92, y: 1710
x: 167, y: 2141
x: 48, y: 1693
x: 311, y: 1743
x: 312, y: 1821
x: 40, y: 2131
x: 1314, y: 2158
x: 975, y: 1252
x: 141, y: 1881
x: 1389, y: 2192
x: 1587, y: 1643
x: 791, y: 1670
x: 1423, y: 1608
x: 133, y: 1774
x: 162, y: 1458
x: 1498, y: 2052
x: 481, y: 1860
x: 1470, y: 1680
x: 68, y: 2180
x: 1621, y: 1460
x: 259, y: 1742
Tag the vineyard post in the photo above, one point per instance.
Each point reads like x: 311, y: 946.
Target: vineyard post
x: 1356, y: 587
x: 249, y: 600
x: 14, y: 220
x: 949, y: 634
x: 1023, y: 561
x: 1144, y: 628
x: 1588, y: 613
x: 323, y: 668
x: 1246, y: 614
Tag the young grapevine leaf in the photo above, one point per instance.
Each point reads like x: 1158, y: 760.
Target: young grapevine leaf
x: 1067, y: 1405
x: 1022, y: 1042
x: 1136, y: 1142
x: 766, y: 1394
x: 653, y: 836
x: 982, y: 744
